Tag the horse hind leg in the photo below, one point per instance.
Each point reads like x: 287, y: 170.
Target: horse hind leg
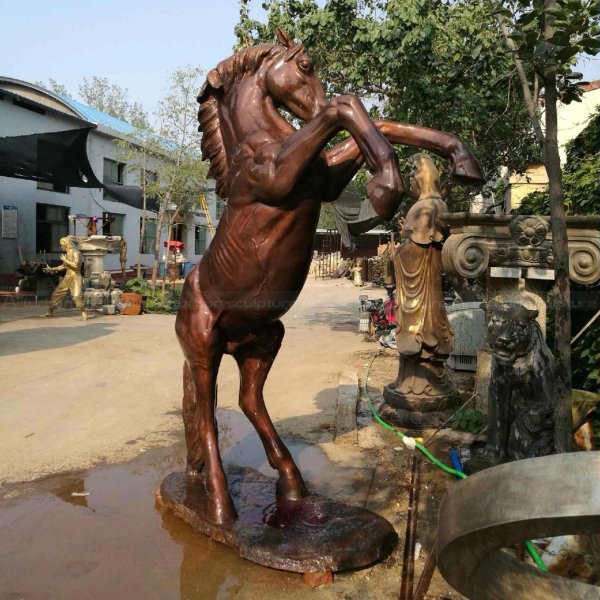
x: 255, y: 360
x: 195, y: 460
x: 200, y: 342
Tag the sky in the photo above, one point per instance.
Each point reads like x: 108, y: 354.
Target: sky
x: 133, y: 43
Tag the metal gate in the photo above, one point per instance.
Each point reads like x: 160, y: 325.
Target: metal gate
x: 328, y: 254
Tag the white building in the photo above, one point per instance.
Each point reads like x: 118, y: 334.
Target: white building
x: 55, y: 153
x: 572, y: 119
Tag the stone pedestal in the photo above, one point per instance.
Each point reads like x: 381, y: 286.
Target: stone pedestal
x: 94, y: 248
x: 312, y: 535
x: 421, y: 397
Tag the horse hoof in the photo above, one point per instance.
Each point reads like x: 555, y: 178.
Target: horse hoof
x: 222, y: 513
x: 291, y: 488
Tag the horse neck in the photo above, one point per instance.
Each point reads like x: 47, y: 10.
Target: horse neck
x: 249, y: 109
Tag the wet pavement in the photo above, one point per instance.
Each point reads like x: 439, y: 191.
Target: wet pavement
x: 91, y: 529
x: 98, y: 534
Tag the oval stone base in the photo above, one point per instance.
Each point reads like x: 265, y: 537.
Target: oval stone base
x: 313, y: 534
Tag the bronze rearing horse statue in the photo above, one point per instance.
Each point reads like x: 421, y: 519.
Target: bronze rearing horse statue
x: 275, y: 178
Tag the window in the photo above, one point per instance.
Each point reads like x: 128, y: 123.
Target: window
x: 53, y: 187
x: 179, y: 233
x: 200, y: 239
x: 112, y: 223
x: 151, y: 177
x: 51, y: 223
x: 149, y: 236
x: 113, y: 174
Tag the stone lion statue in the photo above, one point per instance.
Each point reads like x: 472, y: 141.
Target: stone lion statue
x: 520, y: 405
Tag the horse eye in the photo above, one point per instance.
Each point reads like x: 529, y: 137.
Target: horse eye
x: 305, y: 65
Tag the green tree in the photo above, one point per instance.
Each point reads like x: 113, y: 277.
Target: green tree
x: 112, y: 99
x: 545, y: 38
x: 181, y: 175
x: 426, y: 62
x: 581, y: 180
x: 54, y: 86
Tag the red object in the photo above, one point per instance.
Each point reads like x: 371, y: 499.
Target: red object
x: 174, y: 244
x: 389, y: 308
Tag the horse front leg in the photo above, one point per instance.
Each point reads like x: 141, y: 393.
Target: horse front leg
x: 344, y: 160
x: 278, y: 166
x: 465, y: 167
x: 255, y: 360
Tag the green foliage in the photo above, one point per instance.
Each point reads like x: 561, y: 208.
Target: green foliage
x: 535, y: 203
x: 468, y: 419
x: 581, y: 180
x: 157, y: 300
x: 137, y: 285
x: 438, y: 64
x: 575, y: 31
x: 327, y: 217
x: 110, y: 98
x: 586, y: 360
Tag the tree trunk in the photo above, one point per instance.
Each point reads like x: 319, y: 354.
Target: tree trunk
x: 143, y: 226
x: 157, y: 240
x: 166, y: 273
x: 562, y: 294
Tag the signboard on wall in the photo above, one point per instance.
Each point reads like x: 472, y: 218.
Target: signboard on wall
x: 9, y: 221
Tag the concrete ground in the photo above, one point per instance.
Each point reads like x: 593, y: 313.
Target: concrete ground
x: 90, y: 425
x: 76, y: 393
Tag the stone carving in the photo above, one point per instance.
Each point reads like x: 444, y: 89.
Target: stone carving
x: 528, y: 231
x: 72, y: 282
x: 520, y: 417
x: 275, y: 177
x: 477, y: 242
x: 424, y: 337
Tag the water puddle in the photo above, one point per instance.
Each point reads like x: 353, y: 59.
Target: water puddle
x: 97, y: 533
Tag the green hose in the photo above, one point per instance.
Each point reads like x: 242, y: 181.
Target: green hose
x: 528, y: 545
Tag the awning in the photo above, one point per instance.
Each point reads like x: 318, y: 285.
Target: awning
x: 58, y: 157
x: 353, y: 215
x: 130, y: 195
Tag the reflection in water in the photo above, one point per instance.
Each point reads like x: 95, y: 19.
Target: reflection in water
x: 120, y: 547
x: 208, y: 569
x: 64, y: 486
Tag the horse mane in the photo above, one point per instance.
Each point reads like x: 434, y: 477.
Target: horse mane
x: 219, y: 83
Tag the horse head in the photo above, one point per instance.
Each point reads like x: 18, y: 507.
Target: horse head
x: 291, y: 81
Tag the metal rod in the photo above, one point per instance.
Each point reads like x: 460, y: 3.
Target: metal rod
x: 408, y: 562
x: 427, y: 574
x: 585, y: 328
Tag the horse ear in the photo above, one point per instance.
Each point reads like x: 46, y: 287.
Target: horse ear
x: 214, y: 79
x: 213, y: 82
x: 283, y: 38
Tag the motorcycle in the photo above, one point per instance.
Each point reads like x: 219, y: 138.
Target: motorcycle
x: 378, y: 316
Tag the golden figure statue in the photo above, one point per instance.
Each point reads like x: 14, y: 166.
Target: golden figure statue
x: 357, y: 273
x: 72, y: 282
x: 424, y: 337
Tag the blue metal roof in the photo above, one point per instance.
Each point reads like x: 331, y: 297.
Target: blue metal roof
x: 93, y: 115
